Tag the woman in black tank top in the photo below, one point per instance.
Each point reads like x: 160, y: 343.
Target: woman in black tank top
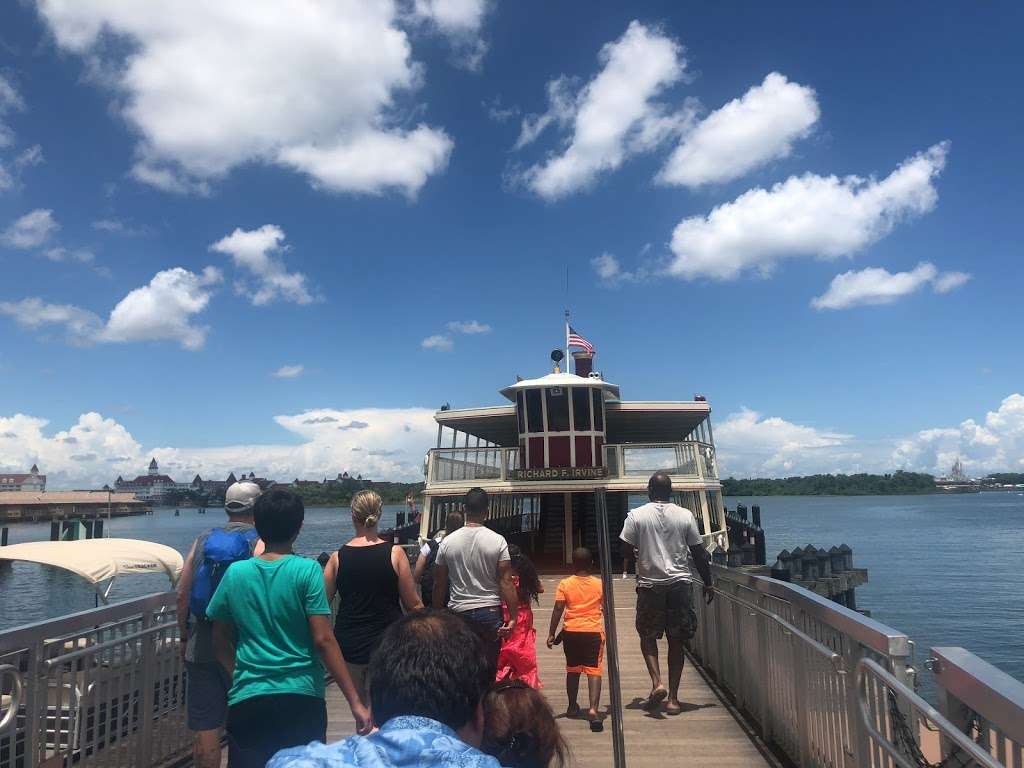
x: 373, y: 582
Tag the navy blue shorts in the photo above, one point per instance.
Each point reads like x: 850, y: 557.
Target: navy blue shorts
x: 206, y: 695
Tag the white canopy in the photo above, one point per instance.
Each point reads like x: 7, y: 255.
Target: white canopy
x: 97, y: 560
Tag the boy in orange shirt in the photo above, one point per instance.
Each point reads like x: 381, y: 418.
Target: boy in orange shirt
x: 579, y: 598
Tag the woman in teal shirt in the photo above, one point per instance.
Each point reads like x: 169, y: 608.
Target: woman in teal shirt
x: 272, y: 633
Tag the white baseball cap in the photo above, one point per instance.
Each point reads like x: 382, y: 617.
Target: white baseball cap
x: 241, y: 497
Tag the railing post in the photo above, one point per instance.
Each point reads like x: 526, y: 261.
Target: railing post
x: 800, y: 696
x: 144, y: 732
x: 762, y: 667
x: 611, y: 637
x: 858, y: 751
x: 33, y: 703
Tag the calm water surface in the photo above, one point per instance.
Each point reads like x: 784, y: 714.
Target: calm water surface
x: 943, y: 569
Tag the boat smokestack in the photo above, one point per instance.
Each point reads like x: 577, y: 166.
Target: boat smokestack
x: 584, y: 363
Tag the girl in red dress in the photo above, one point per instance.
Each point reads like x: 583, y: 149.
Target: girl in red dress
x: 518, y: 657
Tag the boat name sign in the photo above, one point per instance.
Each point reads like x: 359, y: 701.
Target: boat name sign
x: 560, y: 473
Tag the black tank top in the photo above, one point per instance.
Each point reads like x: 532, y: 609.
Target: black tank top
x: 368, y: 599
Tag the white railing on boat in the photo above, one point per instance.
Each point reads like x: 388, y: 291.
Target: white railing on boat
x: 830, y: 687
x: 688, y: 460
x: 98, y: 688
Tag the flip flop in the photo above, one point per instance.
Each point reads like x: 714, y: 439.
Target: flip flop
x: 596, y: 726
x: 654, y: 700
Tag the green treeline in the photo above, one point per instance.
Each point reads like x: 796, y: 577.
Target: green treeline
x: 339, y: 494
x: 1006, y: 478
x: 863, y: 484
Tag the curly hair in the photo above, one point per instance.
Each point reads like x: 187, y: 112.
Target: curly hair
x: 520, y: 730
x: 529, y: 581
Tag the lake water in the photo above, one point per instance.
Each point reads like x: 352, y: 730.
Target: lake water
x: 942, y: 569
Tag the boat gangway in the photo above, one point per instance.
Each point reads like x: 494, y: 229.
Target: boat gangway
x: 776, y: 675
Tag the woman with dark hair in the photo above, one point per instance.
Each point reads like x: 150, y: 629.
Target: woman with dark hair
x: 518, y: 657
x: 519, y: 728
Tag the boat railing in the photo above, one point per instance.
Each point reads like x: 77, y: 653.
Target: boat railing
x: 828, y: 686
x: 101, y: 687
x: 687, y: 459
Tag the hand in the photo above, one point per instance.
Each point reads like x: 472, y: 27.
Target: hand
x: 709, y: 594
x: 364, y: 720
x: 551, y: 641
x: 182, y: 645
x: 506, y: 629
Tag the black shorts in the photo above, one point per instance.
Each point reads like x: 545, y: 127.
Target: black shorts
x: 260, y: 727
x: 665, y: 609
x: 583, y: 652
x: 206, y: 697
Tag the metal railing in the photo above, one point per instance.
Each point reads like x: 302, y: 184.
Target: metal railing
x: 99, y: 688
x: 830, y: 687
x: 629, y: 460
x: 981, y: 700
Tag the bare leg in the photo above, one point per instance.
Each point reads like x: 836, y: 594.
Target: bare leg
x: 572, y: 691
x: 594, y: 689
x: 206, y: 750
x: 676, y: 659
x: 649, y: 648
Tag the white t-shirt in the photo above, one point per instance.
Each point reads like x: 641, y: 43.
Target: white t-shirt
x: 662, y: 533
x: 472, y: 554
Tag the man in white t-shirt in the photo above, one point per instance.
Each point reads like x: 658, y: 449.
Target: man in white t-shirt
x: 667, y: 541
x: 474, y: 565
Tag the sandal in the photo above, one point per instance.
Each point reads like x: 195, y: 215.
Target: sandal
x: 596, y: 726
x: 657, y: 696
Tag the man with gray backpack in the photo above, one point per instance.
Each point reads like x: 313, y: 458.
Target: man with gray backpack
x: 207, y: 682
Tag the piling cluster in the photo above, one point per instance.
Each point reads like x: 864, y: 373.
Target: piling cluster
x: 829, y: 572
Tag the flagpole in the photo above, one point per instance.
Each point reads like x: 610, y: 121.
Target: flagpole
x: 567, y: 341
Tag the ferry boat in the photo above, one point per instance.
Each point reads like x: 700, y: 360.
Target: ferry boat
x: 560, y: 438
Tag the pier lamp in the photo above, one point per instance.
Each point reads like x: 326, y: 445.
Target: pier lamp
x: 107, y: 488
x: 556, y: 358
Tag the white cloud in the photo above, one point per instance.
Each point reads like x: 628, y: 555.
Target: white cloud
x: 750, y: 445
x: 60, y: 253
x: 950, y: 281
x: 214, y: 86
x: 746, y: 133
x: 160, y: 311
x: 875, y: 285
x: 289, y: 371
x: 996, y: 444
x: 805, y: 216
x: 439, y: 342
x: 613, y: 116
x: 163, y: 310
x: 257, y: 252
x: 468, y: 326
x: 30, y: 157
x: 10, y: 101
x: 81, y: 326
x: 609, y: 270
x: 560, y: 112
x: 460, y: 21
x: 389, y: 446
x: 31, y: 230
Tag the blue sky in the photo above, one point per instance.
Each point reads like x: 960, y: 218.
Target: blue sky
x: 373, y: 172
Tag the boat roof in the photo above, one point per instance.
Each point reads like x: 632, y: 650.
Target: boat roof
x: 97, y: 560
x: 629, y: 421
x: 560, y: 380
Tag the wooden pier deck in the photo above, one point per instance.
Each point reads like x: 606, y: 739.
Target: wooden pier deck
x: 705, y: 733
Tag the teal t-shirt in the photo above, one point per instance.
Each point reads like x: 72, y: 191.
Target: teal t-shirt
x: 270, y: 602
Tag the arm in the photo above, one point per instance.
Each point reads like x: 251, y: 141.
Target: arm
x: 438, y: 598
x: 421, y: 567
x: 331, y: 576
x: 407, y: 592
x: 556, y: 617
x: 702, y: 561
x: 510, y: 596
x: 224, y: 645
x: 184, y: 590
x: 327, y: 646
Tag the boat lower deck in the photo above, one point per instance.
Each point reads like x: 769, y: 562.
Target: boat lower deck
x: 706, y: 732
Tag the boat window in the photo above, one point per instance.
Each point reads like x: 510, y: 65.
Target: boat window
x: 534, y: 414
x: 520, y: 412
x: 558, y: 409
x: 581, y: 409
x: 598, y: 396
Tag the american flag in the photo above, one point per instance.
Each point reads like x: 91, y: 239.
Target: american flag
x: 575, y: 340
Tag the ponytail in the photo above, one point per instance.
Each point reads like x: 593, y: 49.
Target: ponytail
x: 366, y: 508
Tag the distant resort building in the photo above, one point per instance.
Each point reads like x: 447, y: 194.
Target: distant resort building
x: 957, y: 481
x: 31, y: 482
x: 153, y: 486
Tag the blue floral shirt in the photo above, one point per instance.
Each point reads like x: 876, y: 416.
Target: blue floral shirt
x: 416, y: 742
